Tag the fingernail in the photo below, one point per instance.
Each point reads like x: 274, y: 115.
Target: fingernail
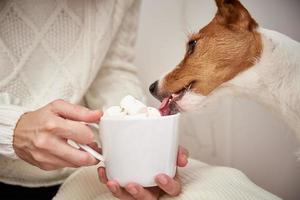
x: 132, y: 190
x: 163, y: 180
x: 96, y: 111
x: 112, y: 188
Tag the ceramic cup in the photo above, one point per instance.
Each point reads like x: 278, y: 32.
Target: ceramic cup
x: 136, y: 150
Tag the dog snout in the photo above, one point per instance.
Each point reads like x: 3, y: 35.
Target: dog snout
x: 153, y: 88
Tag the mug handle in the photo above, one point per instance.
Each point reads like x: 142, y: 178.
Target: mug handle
x: 86, y: 148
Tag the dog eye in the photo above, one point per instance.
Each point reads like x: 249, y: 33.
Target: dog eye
x: 191, y: 46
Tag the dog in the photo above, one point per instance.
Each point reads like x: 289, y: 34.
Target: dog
x: 233, y: 55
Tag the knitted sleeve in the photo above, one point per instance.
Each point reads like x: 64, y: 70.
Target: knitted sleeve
x: 9, y: 116
x: 118, y: 76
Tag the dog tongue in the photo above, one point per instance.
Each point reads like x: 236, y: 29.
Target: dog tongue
x: 164, y: 108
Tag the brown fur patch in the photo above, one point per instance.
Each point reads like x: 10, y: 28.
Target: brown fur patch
x: 228, y: 45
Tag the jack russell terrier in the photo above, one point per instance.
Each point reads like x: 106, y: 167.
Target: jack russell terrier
x: 232, y: 55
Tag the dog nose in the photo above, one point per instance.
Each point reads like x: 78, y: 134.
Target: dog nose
x: 153, y: 88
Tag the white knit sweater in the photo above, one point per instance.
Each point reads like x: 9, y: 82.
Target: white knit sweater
x: 199, y: 182
x: 77, y: 50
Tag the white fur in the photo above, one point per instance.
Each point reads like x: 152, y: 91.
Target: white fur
x: 190, y: 101
x: 274, y: 80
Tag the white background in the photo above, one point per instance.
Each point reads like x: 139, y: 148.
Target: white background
x: 234, y: 132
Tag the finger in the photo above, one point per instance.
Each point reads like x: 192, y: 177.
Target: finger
x: 28, y: 158
x: 182, y: 157
x: 64, y: 151
x: 168, y: 185
x: 117, y: 191
x: 95, y: 146
x: 140, y: 193
x: 70, y: 130
x: 37, y: 159
x: 102, y: 175
x: 49, y: 159
x: 74, y: 112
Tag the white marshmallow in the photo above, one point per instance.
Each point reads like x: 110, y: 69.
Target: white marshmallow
x: 132, y: 106
x: 114, y: 111
x: 153, y: 112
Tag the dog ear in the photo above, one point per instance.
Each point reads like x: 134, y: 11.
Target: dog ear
x: 233, y: 14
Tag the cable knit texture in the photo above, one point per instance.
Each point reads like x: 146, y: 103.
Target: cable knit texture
x: 200, y: 181
x: 79, y: 51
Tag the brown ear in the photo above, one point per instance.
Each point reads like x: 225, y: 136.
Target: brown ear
x: 233, y: 14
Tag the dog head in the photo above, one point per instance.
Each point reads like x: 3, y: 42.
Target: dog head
x: 227, y: 46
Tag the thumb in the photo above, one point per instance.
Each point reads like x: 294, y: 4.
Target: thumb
x: 74, y: 112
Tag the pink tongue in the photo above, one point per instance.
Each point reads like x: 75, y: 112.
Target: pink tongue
x: 164, y: 107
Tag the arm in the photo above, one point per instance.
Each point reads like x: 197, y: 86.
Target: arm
x: 118, y: 76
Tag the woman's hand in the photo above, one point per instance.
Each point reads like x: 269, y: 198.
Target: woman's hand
x: 40, y: 137
x: 133, y: 191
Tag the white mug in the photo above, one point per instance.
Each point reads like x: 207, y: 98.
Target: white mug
x: 136, y: 150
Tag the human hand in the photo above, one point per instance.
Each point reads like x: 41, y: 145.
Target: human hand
x: 40, y: 137
x: 133, y: 191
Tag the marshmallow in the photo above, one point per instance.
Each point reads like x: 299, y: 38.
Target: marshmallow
x: 114, y: 111
x: 153, y: 112
x: 132, y: 106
